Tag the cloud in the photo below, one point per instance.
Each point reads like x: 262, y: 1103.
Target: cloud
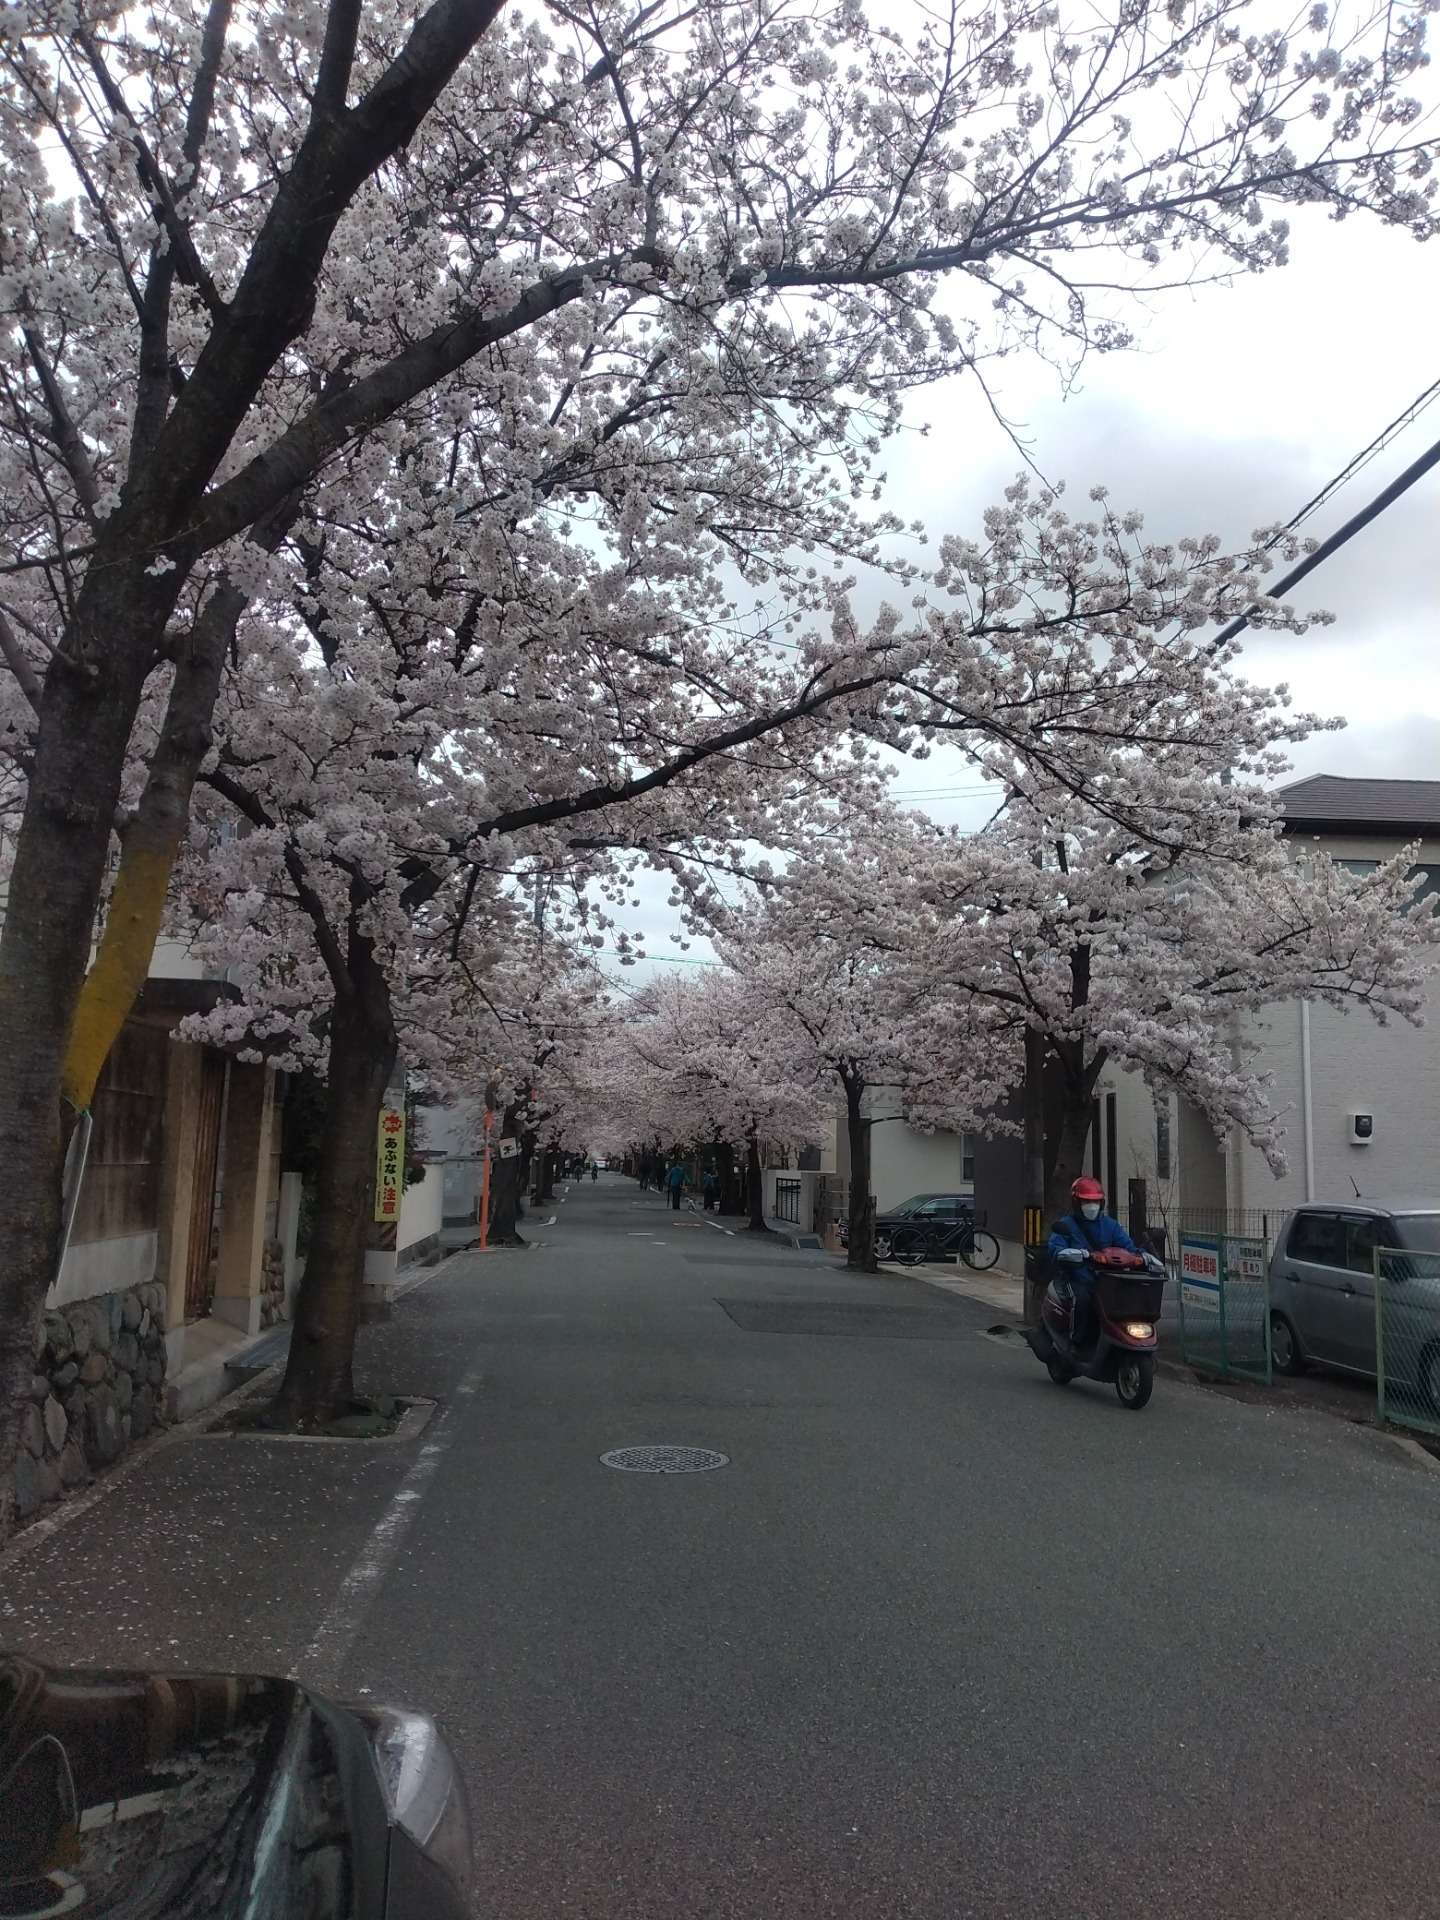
x: 1236, y: 406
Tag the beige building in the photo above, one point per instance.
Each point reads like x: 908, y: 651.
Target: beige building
x: 182, y: 1189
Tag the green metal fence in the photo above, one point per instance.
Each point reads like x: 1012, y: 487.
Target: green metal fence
x: 1224, y: 1304
x: 1407, y: 1337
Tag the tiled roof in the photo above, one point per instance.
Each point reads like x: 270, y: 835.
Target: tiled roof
x: 1328, y: 800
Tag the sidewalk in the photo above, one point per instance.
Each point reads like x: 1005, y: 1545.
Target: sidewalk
x: 997, y: 1288
x: 1341, y: 1396
x: 215, y: 1551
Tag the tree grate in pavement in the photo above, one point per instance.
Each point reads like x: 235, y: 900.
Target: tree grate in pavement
x: 852, y: 1317
x: 664, y: 1459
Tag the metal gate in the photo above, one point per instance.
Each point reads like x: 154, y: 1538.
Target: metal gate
x: 199, y: 1271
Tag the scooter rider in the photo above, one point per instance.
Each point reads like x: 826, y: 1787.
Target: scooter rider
x: 1087, y: 1229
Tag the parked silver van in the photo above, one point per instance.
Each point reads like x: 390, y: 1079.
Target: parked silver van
x: 1322, y: 1290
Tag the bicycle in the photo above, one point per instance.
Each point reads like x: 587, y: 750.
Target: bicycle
x: 977, y: 1248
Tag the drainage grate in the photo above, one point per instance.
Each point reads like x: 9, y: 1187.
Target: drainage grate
x: 664, y: 1459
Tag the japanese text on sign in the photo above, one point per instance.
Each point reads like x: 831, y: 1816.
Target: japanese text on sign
x: 1200, y: 1273
x: 390, y: 1164
x: 1245, y: 1259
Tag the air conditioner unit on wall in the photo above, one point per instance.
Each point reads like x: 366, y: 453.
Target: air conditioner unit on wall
x: 1361, y: 1129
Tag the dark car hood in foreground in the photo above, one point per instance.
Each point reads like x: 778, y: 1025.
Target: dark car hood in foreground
x: 150, y: 1796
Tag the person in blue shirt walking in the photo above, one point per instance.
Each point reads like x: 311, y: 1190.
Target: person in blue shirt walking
x: 1086, y: 1229
x: 675, y: 1181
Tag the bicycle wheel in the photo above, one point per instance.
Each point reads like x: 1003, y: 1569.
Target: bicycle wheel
x: 908, y: 1245
x: 980, y: 1250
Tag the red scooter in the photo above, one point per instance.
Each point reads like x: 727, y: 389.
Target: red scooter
x: 1119, y: 1346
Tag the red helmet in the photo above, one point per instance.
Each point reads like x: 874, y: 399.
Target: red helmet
x: 1085, y: 1189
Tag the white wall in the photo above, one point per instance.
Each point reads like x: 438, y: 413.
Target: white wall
x: 905, y: 1161
x: 1355, y: 1065
x: 421, y: 1209
x: 173, y: 960
x: 809, y: 1180
x: 455, y: 1131
x: 1392, y: 1072
x: 104, y: 1266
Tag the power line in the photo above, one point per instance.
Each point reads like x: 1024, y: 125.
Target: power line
x: 1385, y: 498
x: 1366, y: 455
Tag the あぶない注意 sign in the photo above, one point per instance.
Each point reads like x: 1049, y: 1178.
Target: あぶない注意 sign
x: 390, y: 1164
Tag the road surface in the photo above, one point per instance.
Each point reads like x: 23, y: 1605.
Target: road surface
x: 941, y: 1640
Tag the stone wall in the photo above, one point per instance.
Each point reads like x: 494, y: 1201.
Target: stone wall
x: 99, y: 1383
x: 273, y: 1306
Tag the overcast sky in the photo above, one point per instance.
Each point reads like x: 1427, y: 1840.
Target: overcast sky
x: 1235, y: 407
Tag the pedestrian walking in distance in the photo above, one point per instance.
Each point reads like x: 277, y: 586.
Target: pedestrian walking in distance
x: 675, y: 1180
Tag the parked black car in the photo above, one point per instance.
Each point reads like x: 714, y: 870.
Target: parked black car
x: 935, y: 1209
x: 169, y: 1795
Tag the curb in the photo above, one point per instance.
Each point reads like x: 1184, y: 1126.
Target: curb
x: 413, y: 1422
x: 1413, y: 1450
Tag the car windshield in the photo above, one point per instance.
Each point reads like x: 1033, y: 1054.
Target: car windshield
x: 1419, y: 1231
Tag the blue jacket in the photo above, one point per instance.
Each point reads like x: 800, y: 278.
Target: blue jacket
x: 1071, y: 1231
x: 675, y: 1177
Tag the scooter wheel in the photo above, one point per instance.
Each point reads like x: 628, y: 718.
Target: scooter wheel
x: 1059, y: 1372
x: 1135, y: 1381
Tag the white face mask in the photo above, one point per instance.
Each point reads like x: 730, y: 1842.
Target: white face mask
x: 1090, y: 1210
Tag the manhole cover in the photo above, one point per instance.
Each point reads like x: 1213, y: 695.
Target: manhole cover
x: 664, y: 1459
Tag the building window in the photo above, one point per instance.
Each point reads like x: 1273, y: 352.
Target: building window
x: 1358, y: 867
x: 967, y: 1159
x: 1162, y: 1136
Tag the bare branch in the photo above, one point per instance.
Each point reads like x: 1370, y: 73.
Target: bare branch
x: 26, y: 677
x: 68, y: 443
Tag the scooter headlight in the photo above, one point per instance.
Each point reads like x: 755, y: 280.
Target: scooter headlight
x: 1139, y: 1330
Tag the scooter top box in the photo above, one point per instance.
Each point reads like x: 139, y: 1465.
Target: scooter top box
x: 1129, y: 1296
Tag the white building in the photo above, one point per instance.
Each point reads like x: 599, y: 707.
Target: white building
x: 903, y: 1160
x: 812, y: 1194
x: 1331, y: 1072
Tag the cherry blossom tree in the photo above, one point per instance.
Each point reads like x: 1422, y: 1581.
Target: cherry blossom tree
x: 1128, y: 904
x: 848, y: 1018
x: 239, y: 248
x: 318, y: 951
x: 701, y: 1060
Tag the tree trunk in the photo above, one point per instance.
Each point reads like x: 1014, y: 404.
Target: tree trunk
x: 1076, y: 1113
x: 319, y: 1378
x: 505, y: 1202
x: 90, y: 698
x: 729, y: 1178
x: 861, y: 1254
x: 755, y: 1180
x: 547, y: 1173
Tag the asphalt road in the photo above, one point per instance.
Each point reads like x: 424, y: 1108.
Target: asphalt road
x: 942, y: 1640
